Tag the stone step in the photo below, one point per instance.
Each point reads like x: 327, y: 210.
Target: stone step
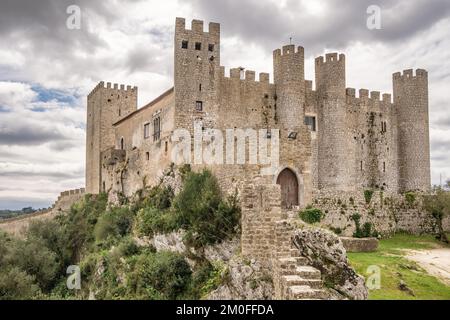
x: 294, y: 253
x: 308, y: 272
x: 305, y: 292
x: 294, y: 280
x: 291, y: 262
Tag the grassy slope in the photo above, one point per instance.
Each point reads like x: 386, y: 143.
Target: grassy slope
x: 394, y: 267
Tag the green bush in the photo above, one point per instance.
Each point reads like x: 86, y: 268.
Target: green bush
x: 150, y: 221
x: 202, y: 213
x: 16, y: 284
x: 368, y: 194
x: 367, y: 229
x: 410, y: 198
x: 115, y: 223
x: 163, y: 275
x: 34, y: 258
x: 311, y: 215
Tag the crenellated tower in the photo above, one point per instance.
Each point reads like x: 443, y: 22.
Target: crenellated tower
x: 196, y: 70
x: 411, y: 103
x: 105, y: 106
x: 289, y: 78
x: 334, y: 166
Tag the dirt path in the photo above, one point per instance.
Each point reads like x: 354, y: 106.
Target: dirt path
x: 435, y: 261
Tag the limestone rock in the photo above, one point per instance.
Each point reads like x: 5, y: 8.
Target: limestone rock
x: 325, y: 251
x: 245, y: 280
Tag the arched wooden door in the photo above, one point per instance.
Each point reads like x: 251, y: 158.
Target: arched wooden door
x: 289, y: 188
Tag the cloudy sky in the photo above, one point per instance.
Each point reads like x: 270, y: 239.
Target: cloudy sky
x: 46, y: 69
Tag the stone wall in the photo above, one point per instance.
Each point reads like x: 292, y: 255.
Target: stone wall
x: 18, y: 225
x: 388, y: 213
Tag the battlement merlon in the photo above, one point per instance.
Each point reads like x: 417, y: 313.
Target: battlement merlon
x: 288, y: 49
x: 114, y: 86
x: 330, y: 58
x: 409, y: 74
x: 196, y: 26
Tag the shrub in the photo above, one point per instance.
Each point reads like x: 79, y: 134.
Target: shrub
x: 35, y: 259
x: 337, y: 231
x: 114, y: 223
x: 365, y: 231
x: 200, y: 210
x: 311, y: 215
x: 163, y: 275
x: 410, y: 198
x: 438, y: 205
x: 16, y: 284
x: 368, y: 195
x: 150, y: 220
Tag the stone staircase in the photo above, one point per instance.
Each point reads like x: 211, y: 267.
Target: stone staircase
x: 294, y: 279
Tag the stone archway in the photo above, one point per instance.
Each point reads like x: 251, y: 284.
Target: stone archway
x: 289, y: 188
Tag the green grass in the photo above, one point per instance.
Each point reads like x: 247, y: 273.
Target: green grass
x: 395, y: 267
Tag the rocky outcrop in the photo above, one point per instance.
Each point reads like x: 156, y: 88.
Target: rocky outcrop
x: 245, y: 280
x: 325, y: 251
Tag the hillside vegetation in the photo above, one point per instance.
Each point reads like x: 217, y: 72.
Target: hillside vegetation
x: 101, y: 240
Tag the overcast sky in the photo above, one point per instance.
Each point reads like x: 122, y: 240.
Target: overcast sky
x: 46, y: 70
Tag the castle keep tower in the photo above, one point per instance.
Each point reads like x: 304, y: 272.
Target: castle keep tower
x: 289, y: 78
x: 411, y: 103
x: 334, y: 165
x: 105, y: 106
x: 196, y: 71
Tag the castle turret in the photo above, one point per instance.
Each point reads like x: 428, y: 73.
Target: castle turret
x: 105, y: 106
x: 334, y: 164
x: 289, y: 78
x: 196, y: 70
x: 411, y: 103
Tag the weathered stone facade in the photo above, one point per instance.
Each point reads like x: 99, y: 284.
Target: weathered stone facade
x: 330, y: 140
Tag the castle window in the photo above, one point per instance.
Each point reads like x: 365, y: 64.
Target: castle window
x: 147, y: 155
x: 361, y: 166
x: 146, y: 130
x: 184, y: 44
x: 166, y: 146
x: 119, y: 112
x: 200, y: 87
x: 199, y: 106
x: 210, y: 47
x: 384, y: 166
x: 122, y: 144
x: 383, y: 126
x: 198, y: 46
x: 156, y: 129
x: 311, y: 122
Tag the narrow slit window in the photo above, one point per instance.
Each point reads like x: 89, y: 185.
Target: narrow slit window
x: 147, y: 155
x: 156, y: 129
x: 361, y: 166
x: 199, y: 106
x: 384, y: 166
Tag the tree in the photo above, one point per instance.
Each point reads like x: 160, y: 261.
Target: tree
x: 438, y: 204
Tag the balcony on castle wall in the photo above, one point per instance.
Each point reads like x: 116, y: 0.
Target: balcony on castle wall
x: 113, y: 156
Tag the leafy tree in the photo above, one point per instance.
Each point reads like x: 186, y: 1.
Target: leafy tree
x: 438, y: 204
x: 34, y: 258
x: 16, y: 284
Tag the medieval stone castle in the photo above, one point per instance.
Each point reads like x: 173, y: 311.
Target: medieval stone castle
x: 330, y: 138
x: 345, y: 154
